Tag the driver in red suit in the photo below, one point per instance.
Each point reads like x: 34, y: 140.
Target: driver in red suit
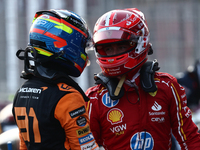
x: 134, y: 107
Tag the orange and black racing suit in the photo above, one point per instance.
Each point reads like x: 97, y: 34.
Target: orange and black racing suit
x: 52, y: 116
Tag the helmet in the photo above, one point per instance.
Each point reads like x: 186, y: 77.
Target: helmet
x: 64, y: 35
x: 122, y: 25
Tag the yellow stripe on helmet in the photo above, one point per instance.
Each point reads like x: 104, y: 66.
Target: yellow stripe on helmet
x: 43, y: 52
x: 59, y: 25
x: 83, y: 56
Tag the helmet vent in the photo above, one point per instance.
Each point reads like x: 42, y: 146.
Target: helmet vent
x: 119, y: 58
x: 38, y: 43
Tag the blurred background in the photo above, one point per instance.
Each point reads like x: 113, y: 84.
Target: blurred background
x: 174, y: 26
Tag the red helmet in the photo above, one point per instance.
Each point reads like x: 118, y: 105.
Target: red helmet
x: 127, y: 25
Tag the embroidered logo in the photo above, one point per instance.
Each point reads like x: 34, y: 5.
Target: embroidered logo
x: 108, y: 102
x: 142, y: 140
x: 29, y: 90
x: 85, y: 139
x: 156, y: 106
x: 77, y: 112
x: 118, y: 130
x: 83, y: 131
x: 81, y: 121
x: 115, y: 116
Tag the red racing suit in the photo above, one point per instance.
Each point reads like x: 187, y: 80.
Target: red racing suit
x: 141, y: 120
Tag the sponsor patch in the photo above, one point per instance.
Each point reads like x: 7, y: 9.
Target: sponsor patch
x: 156, y: 107
x: 77, y: 112
x: 81, y: 121
x: 108, y: 102
x: 86, y: 139
x: 91, y: 145
x: 158, y: 119
x: 156, y: 113
x: 115, y: 116
x: 83, y: 131
x: 142, y: 140
x: 118, y: 130
x: 29, y: 90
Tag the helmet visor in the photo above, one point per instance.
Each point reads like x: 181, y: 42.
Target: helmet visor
x: 101, y: 36
x: 115, y: 48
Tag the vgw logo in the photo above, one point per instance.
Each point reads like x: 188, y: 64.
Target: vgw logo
x: 142, y: 141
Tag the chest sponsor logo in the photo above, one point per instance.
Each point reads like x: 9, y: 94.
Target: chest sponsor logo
x: 83, y: 131
x: 115, y: 116
x: 86, y: 139
x: 156, y: 106
x: 77, y: 112
x: 118, y: 130
x: 156, y: 113
x: 158, y: 119
x: 108, y: 102
x: 142, y: 141
x: 156, y: 110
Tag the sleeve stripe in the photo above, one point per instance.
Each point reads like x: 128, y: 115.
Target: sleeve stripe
x: 179, y: 115
x: 89, y: 108
x: 88, y: 103
x: 89, y: 112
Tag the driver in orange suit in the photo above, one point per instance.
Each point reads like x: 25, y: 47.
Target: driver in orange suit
x: 49, y: 108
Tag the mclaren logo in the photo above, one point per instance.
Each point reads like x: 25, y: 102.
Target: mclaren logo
x: 29, y: 90
x: 44, y: 88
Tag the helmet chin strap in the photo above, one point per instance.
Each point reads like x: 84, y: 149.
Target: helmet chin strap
x: 119, y: 86
x: 33, y: 64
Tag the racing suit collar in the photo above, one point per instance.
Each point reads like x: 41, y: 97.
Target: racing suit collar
x: 133, y: 82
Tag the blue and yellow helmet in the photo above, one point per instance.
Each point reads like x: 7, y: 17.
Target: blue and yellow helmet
x: 61, y: 31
